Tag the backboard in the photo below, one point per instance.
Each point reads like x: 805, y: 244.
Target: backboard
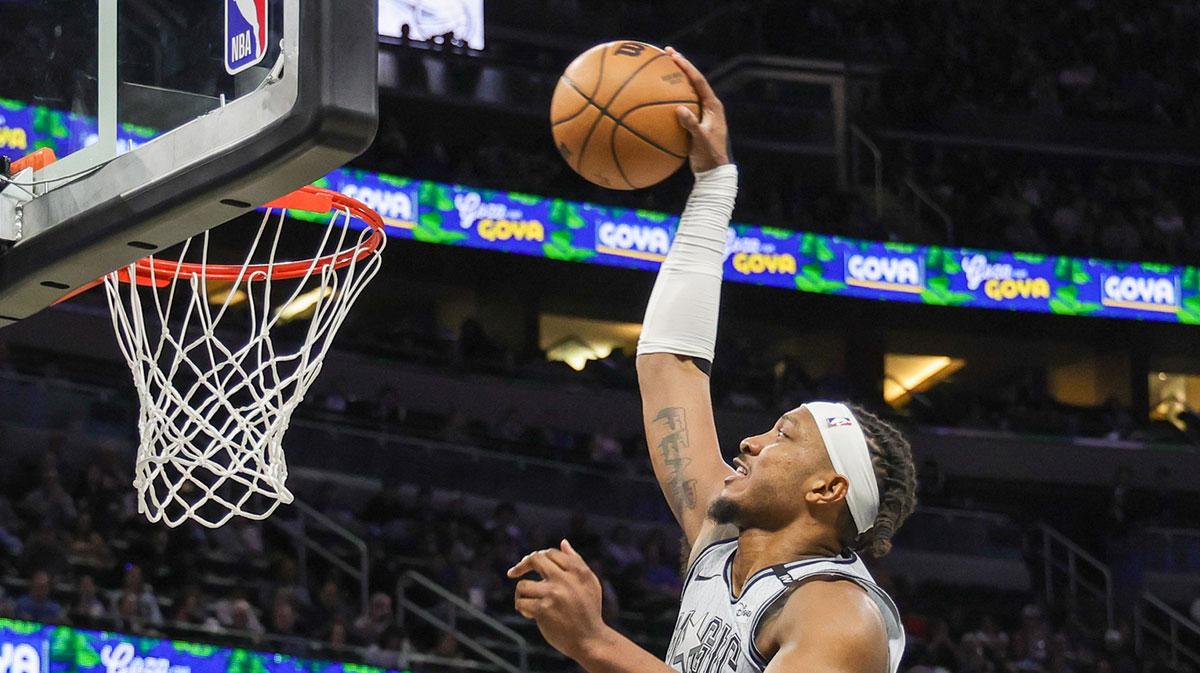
x: 167, y: 118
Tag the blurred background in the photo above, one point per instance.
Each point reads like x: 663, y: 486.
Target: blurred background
x: 479, y: 405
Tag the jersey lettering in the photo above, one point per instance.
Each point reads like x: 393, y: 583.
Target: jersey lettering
x: 715, y: 630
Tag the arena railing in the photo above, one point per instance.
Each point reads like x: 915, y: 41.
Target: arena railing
x: 299, y: 529
x: 1061, y: 555
x: 1155, y: 619
x: 450, y: 625
x: 859, y: 137
x: 922, y: 203
x: 461, y: 467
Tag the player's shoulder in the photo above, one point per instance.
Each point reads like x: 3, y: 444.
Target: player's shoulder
x: 830, y: 622
x: 823, y: 607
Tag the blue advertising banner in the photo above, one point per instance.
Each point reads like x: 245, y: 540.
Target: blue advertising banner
x: 635, y: 239
x: 432, y: 212
x: 762, y: 256
x: 493, y: 220
x: 30, y: 647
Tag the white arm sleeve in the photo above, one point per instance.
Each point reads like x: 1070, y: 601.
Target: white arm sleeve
x: 681, y: 317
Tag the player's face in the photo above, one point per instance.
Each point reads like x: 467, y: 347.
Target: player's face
x: 772, y: 472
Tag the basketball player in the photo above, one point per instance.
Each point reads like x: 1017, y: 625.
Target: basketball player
x: 774, y: 581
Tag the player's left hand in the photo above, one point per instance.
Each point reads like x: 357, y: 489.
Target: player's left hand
x: 565, y: 603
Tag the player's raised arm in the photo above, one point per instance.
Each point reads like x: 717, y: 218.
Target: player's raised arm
x: 679, y: 331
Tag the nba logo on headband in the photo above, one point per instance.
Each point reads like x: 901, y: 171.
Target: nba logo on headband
x: 245, y: 34
x: 848, y: 452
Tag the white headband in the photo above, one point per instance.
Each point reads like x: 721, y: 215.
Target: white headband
x: 847, y: 448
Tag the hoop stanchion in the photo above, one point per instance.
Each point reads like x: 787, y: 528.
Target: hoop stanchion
x: 216, y: 390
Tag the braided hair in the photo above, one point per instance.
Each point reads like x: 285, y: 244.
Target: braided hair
x: 896, y: 475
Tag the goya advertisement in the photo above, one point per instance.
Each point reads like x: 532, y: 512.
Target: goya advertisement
x: 432, y: 212
x: 638, y: 239
x: 30, y: 647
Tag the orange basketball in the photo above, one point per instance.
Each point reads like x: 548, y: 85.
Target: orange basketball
x: 613, y: 115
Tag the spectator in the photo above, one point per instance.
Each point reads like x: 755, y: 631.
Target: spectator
x: 192, y: 606
x: 49, y: 506
x: 504, y: 520
x: 87, y: 605
x: 283, y: 625
x: 581, y: 536
x: 86, y: 547
x: 43, y: 551
x: 128, y: 616
x: 621, y: 548
x: 10, y: 527
x: 392, y: 653
x: 96, y: 496
x: 388, y: 410
x: 386, y: 505
x: 1120, y: 499
x: 369, y: 627
x: 1160, y: 500
x: 240, y: 539
x: 992, y: 639
x: 479, y: 582
x: 1030, y: 642
x: 940, y: 651
x: 234, y: 613
x: 37, y: 606
x: 658, y: 578
x: 7, y: 605
x: 329, y: 608
x: 604, y: 448
x: 337, y: 635
x: 1117, y: 653
x: 285, y: 583
x: 145, y: 606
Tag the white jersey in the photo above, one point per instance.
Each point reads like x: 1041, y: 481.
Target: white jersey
x: 715, y: 630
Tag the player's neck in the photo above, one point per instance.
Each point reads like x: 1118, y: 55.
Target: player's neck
x: 758, y: 549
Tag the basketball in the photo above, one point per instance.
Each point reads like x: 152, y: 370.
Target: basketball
x: 613, y: 115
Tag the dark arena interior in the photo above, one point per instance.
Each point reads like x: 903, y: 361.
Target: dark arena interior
x: 979, y: 221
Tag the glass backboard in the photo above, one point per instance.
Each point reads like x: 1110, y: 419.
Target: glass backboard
x: 167, y: 118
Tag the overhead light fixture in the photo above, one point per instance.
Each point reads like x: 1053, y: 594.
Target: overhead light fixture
x: 1170, y: 399
x: 572, y: 351
x: 222, y: 293
x: 908, y: 374
x: 576, y: 340
x: 302, y: 303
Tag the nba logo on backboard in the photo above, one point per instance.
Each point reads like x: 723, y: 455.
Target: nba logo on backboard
x: 839, y: 422
x: 245, y: 34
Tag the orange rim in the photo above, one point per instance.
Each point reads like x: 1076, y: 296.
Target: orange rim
x: 307, y: 198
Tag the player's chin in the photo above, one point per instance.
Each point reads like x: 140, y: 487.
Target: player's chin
x: 725, y: 509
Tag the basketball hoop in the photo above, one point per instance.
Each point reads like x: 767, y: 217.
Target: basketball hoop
x: 217, y: 367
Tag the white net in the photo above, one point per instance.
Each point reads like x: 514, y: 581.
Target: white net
x: 220, y: 366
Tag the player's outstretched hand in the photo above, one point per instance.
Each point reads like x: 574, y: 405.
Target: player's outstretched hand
x: 710, y: 135
x: 565, y: 603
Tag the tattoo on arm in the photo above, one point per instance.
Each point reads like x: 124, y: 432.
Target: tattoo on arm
x: 680, y: 491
